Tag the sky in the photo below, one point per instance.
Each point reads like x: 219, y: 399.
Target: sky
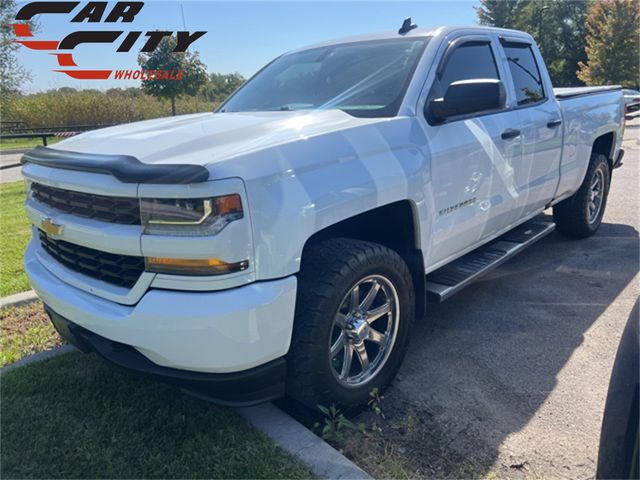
x: 241, y: 36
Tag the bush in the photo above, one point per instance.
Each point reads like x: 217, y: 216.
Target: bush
x: 68, y: 106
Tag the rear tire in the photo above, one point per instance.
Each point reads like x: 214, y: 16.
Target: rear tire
x: 581, y: 214
x: 344, y: 344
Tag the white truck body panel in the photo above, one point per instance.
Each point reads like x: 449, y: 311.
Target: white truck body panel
x: 583, y: 121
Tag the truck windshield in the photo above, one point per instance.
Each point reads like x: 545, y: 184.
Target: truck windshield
x: 365, y: 79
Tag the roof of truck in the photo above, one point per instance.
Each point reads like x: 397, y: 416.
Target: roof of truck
x: 417, y: 33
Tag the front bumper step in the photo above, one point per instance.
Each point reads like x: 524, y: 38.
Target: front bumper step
x: 249, y: 387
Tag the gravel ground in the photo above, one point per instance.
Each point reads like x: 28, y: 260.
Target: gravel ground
x: 510, y: 376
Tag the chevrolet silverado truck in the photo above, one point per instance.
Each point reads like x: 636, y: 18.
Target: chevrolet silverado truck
x: 285, y: 243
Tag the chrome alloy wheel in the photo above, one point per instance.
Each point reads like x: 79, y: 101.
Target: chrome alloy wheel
x: 364, y: 331
x: 596, y: 195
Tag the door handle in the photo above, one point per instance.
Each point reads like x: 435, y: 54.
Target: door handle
x: 554, y: 123
x: 510, y: 133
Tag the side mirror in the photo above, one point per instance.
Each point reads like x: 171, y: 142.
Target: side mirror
x: 469, y: 96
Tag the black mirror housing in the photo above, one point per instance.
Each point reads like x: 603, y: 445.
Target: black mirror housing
x: 465, y: 97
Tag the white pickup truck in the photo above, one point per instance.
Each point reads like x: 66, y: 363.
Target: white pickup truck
x: 286, y: 242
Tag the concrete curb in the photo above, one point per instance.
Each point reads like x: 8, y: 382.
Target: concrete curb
x: 38, y: 357
x: 289, y: 434
x: 18, y: 299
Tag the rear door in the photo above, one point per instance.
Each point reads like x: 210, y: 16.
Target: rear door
x: 471, y: 191
x: 536, y: 177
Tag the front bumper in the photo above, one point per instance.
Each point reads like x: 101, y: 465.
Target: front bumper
x: 212, y: 332
x: 258, y: 384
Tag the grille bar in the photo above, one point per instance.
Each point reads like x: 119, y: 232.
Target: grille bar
x: 120, y: 210
x: 120, y: 270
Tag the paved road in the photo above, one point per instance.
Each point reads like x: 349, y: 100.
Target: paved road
x: 511, y: 374
x: 9, y: 174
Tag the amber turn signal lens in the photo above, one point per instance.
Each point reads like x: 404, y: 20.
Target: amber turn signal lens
x: 228, y: 204
x: 182, y: 266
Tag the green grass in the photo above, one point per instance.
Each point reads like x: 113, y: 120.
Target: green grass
x: 15, y: 231
x: 25, y: 330
x: 75, y: 416
x: 11, y: 143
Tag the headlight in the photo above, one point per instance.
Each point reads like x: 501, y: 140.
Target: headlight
x: 190, y: 216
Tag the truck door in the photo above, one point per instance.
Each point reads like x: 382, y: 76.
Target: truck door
x: 471, y: 190
x: 536, y: 177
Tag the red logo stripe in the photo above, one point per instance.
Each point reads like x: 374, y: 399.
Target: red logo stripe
x: 65, y: 59
x: 87, y: 74
x: 22, y: 30
x: 39, y: 44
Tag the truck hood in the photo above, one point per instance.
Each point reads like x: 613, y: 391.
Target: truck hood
x: 208, y: 138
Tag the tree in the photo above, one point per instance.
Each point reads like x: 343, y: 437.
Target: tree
x: 67, y: 90
x: 557, y: 26
x: 12, y: 74
x: 500, y: 13
x: 165, y: 59
x: 613, y: 28
x: 559, y: 29
x: 220, y: 86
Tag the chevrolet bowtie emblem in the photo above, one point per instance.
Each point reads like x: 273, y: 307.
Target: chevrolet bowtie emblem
x: 51, y: 228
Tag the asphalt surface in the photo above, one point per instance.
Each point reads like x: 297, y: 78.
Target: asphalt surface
x: 8, y: 171
x: 511, y: 375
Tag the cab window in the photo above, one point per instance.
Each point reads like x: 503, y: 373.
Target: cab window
x: 525, y: 73
x: 470, y: 60
x: 473, y: 59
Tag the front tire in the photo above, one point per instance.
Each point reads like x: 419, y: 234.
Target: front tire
x: 581, y: 214
x: 354, y: 310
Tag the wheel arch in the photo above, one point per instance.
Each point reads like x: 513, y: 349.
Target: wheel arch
x: 605, y: 144
x: 396, y: 226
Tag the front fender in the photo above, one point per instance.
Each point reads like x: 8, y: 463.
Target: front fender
x: 326, y: 179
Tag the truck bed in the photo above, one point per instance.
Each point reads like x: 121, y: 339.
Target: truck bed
x: 564, y: 93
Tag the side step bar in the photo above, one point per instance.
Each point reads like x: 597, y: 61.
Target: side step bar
x: 453, y: 277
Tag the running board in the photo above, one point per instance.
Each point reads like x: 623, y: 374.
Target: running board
x: 453, y: 277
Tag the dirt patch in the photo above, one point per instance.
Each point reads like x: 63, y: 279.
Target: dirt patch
x: 411, y: 444
x: 402, y: 441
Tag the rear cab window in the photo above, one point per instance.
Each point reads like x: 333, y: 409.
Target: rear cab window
x: 525, y: 73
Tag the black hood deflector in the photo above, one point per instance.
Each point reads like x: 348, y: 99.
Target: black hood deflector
x: 126, y: 168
